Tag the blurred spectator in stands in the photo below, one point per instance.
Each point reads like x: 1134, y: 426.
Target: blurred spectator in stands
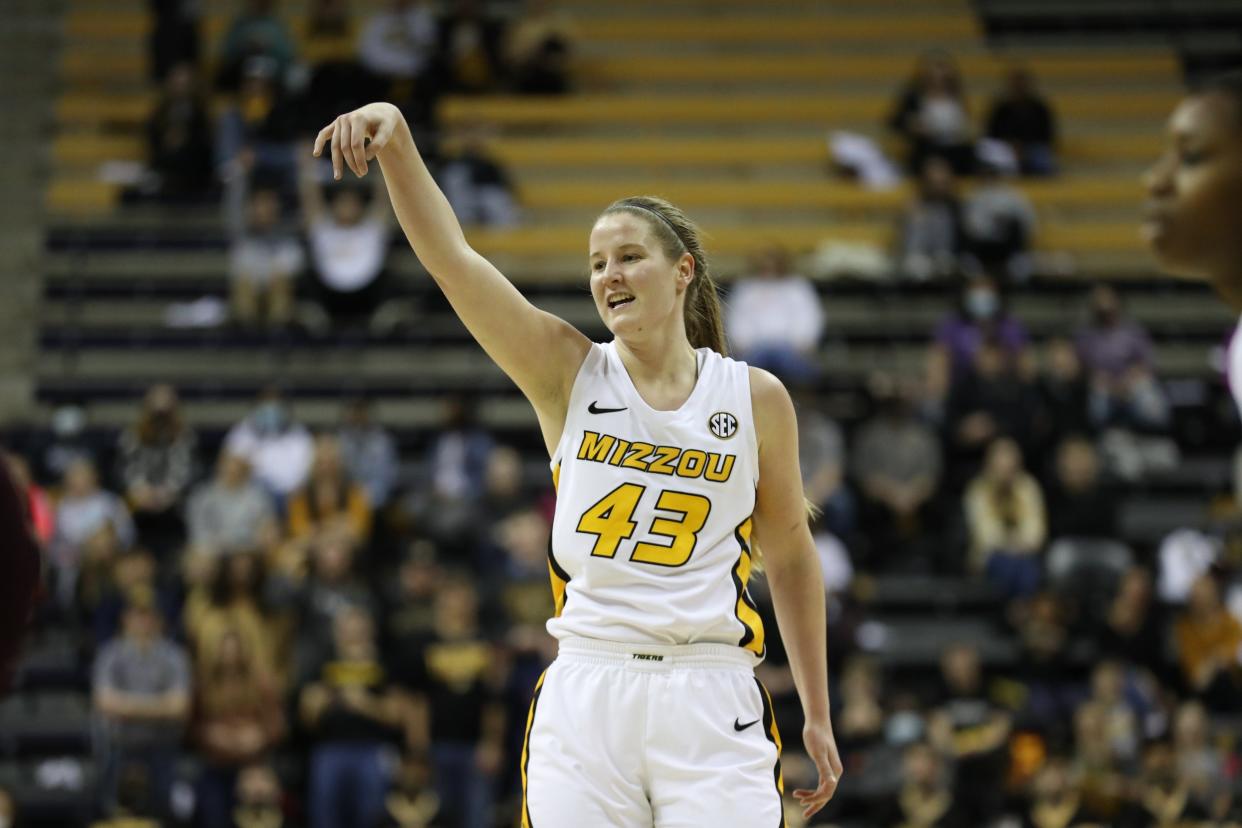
x: 1209, y: 648
x: 141, y: 695
x: 1202, y: 764
x: 821, y: 460
x: 83, y: 511
x: 40, y: 512
x: 926, y: 797
x: 131, y: 570
x: 412, y: 802
x: 332, y: 586
x: 1022, y: 118
x: 179, y: 151
x: 399, y: 46
x: 174, y: 35
x: 1063, y: 397
x: 933, y: 116
x: 369, y: 452
x: 479, y: 189
x: 1045, y: 669
x: 897, y: 463
x: 932, y: 235
x: 354, y: 715
x: 409, y: 598
x: 257, y: 128
x: 1134, y: 628
x: 231, y: 512
x: 968, y: 726
x: 470, y: 38
x: 523, y: 540
x: 1007, y: 522
x: 995, y: 400
x: 1117, y: 354
x: 1102, y: 783
x: 21, y: 565
x: 338, y: 81
x: 278, y: 448
x: 1108, y: 694
x: 231, y: 599
x: 455, y: 473
x: 980, y: 315
x: 329, y: 32
x: 349, y: 242
x: 330, y: 501
x: 237, y: 719
x: 1079, y: 504
x: 860, y: 717
x: 1165, y: 796
x: 775, y: 319
x: 157, y: 461
x: 259, y: 798
x: 1054, y: 797
x: 68, y: 442
x: 999, y: 219
x: 8, y: 809
x: 504, y: 491
x: 256, y: 33
x: 454, y: 674
x: 538, y: 50
x: 265, y: 255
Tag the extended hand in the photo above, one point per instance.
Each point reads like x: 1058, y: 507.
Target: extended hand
x: 356, y: 137
x: 821, y: 746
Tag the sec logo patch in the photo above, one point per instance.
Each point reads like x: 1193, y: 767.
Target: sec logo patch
x: 722, y: 424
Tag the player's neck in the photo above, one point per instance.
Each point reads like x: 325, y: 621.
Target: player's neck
x: 661, y: 360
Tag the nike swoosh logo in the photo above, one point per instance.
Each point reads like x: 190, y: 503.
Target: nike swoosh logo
x: 595, y: 409
x: 739, y: 727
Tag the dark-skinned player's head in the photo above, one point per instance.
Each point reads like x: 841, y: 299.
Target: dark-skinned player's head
x: 1194, y: 190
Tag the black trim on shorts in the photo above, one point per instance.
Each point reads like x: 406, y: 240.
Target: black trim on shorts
x: 769, y: 719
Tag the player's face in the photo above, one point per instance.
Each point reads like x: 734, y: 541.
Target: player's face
x: 1195, y: 189
x: 635, y: 287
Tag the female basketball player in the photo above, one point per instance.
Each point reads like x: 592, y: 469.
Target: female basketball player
x: 1194, y: 197
x: 671, y: 462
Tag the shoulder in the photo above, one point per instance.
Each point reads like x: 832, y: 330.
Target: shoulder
x: 770, y: 401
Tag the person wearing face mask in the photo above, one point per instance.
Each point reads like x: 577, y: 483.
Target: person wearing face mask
x: 156, y: 459
x: 278, y: 448
x: 980, y: 316
x: 1116, y: 354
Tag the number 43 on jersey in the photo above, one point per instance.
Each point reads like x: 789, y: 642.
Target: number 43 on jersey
x: 610, y: 520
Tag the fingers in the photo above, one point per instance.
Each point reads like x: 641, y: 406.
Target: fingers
x: 358, y: 148
x: 337, y: 160
x: 344, y: 137
x: 813, y: 801
x: 380, y: 140
x: 324, y: 135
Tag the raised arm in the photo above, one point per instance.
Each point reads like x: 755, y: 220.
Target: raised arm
x: 540, y: 352
x: 794, y: 575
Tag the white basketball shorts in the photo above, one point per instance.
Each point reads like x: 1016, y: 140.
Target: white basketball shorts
x: 636, y: 736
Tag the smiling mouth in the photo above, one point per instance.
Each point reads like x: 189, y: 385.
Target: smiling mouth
x: 620, y: 302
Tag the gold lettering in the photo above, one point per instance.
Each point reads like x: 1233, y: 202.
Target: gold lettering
x: 637, y: 456
x: 595, y: 447
x: 692, y: 463
x: 720, y: 467
x: 666, y: 456
x: 619, y: 452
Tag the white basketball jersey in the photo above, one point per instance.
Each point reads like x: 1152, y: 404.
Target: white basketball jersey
x: 651, y: 540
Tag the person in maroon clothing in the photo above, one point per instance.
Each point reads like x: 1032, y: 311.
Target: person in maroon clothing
x: 19, y: 569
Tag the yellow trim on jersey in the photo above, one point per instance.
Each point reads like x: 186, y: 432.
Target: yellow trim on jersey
x: 558, y: 576
x: 744, y: 609
x: 530, y: 722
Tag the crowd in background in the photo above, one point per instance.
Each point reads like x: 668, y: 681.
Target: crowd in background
x: 339, y: 633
